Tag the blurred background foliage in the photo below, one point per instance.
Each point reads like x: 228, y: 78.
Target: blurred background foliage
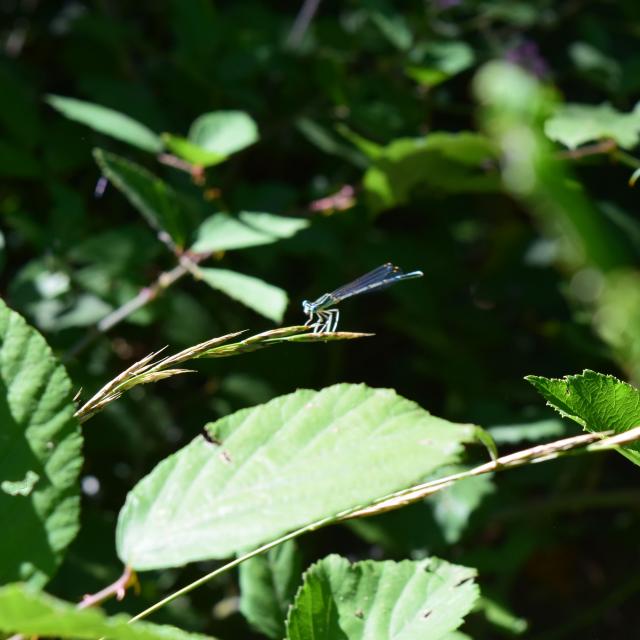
x: 487, y: 142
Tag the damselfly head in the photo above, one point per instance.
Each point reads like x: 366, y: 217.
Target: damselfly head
x: 307, y: 307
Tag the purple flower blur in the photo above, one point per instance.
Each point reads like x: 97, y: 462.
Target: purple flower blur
x: 442, y: 5
x: 527, y: 55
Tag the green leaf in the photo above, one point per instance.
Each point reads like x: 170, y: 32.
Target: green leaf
x: 107, y: 121
x: 268, y: 583
x: 498, y: 615
x: 518, y: 14
x: 617, y: 315
x: 393, y: 26
x: 40, y: 455
x: 86, y: 310
x: 528, y: 431
x: 453, y: 506
x: 265, y: 299
x: 31, y: 613
x: 368, y: 600
x: 272, y: 469
x: 440, y: 61
x: 224, y: 132
x: 600, y: 68
x: 440, y: 162
x: 370, y: 149
x: 160, y: 205
x: 325, y: 141
x: 191, y: 152
x: 223, y: 232
x: 575, y: 124
x: 596, y: 401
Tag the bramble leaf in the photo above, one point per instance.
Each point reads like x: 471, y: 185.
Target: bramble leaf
x: 223, y: 232
x: 40, y: 455
x: 300, y: 459
x: 425, y: 600
x: 159, y: 204
x: 575, y: 124
x: 596, y: 401
x: 108, y: 121
x: 262, y: 297
x: 440, y: 162
x: 33, y: 613
x: 268, y: 583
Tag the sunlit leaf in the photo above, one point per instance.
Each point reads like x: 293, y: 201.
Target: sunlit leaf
x: 268, y: 583
x: 224, y: 132
x: 40, y: 455
x: 271, y: 469
x: 191, y: 152
x: 596, y: 401
x: 424, y: 600
x: 108, y: 121
x: 265, y: 299
x: 439, y: 162
x: 32, y: 613
x: 223, y: 232
x: 575, y: 124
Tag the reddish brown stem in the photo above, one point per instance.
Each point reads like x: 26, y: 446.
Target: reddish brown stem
x: 598, y: 148
x: 117, y: 589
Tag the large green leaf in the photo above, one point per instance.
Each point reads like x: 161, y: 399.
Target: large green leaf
x: 40, y: 455
x: 575, y: 124
x: 223, y: 232
x: 256, y: 294
x: 159, y: 204
x: 32, y: 613
x: 107, y: 121
x: 596, y: 401
x: 440, y: 162
x: 369, y: 600
x: 268, y: 584
x: 272, y: 469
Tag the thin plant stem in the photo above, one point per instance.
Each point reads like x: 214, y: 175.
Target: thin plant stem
x: 626, y: 158
x: 117, y: 589
x: 144, y: 296
x: 230, y: 565
x: 598, y: 148
x: 302, y: 22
